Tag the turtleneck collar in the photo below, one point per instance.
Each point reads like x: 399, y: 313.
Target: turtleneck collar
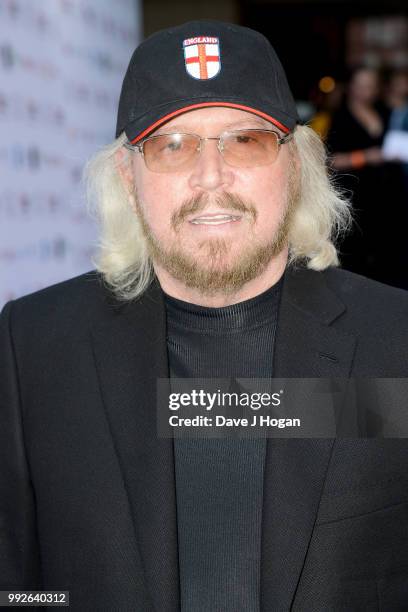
x: 243, y: 315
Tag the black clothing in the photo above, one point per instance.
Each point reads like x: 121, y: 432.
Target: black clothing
x: 377, y: 245
x: 219, y: 483
x: 221, y: 342
x: 87, y: 489
x: 348, y: 134
x: 219, y: 490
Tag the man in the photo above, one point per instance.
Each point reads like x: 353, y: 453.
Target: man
x: 216, y: 259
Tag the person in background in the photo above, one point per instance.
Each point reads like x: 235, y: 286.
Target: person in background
x: 377, y: 245
x: 396, y: 98
x: 396, y: 90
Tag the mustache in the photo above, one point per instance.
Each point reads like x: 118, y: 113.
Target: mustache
x: 225, y: 201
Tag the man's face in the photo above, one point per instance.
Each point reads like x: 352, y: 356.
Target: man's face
x: 215, y: 254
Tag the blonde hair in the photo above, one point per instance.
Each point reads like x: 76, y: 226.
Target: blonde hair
x: 322, y: 215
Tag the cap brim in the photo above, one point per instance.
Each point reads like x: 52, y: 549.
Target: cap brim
x: 137, y: 130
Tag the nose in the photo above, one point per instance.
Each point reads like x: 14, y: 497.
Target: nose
x: 210, y: 172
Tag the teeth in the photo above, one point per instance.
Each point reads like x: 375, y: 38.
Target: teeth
x: 214, y: 219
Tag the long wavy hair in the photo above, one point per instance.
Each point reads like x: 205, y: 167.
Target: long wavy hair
x: 322, y: 216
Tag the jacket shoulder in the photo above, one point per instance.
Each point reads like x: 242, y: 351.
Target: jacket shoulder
x: 72, y: 289
x: 70, y: 301
x: 358, y: 291
x: 375, y: 313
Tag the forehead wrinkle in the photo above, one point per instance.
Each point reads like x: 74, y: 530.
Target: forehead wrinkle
x: 247, y: 122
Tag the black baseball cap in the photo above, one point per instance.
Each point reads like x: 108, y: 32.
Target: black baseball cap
x: 199, y: 64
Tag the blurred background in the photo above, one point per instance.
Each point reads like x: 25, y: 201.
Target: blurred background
x: 61, y: 67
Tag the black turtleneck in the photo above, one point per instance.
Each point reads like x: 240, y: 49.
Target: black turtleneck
x: 219, y: 482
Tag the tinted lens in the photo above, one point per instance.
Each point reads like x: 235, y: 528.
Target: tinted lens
x: 169, y: 152
x: 248, y: 148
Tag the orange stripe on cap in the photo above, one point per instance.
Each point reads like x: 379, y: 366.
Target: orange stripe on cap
x: 179, y: 111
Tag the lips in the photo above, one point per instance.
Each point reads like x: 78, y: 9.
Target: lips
x: 215, y: 219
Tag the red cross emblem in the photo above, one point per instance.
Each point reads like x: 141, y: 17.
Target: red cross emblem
x: 202, y: 56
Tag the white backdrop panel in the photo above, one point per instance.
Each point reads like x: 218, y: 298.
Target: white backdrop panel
x: 61, y: 67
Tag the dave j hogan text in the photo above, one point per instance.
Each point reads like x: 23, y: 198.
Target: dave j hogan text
x: 257, y: 420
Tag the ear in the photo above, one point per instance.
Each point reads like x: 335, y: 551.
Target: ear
x: 125, y: 171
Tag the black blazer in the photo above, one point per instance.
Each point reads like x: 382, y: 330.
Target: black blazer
x: 87, y: 493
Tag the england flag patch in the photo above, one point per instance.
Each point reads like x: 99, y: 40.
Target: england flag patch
x: 202, y: 57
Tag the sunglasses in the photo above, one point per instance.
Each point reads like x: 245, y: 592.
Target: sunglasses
x: 239, y: 148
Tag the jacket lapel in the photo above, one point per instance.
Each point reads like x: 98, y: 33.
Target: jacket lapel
x: 295, y: 469
x: 130, y: 354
